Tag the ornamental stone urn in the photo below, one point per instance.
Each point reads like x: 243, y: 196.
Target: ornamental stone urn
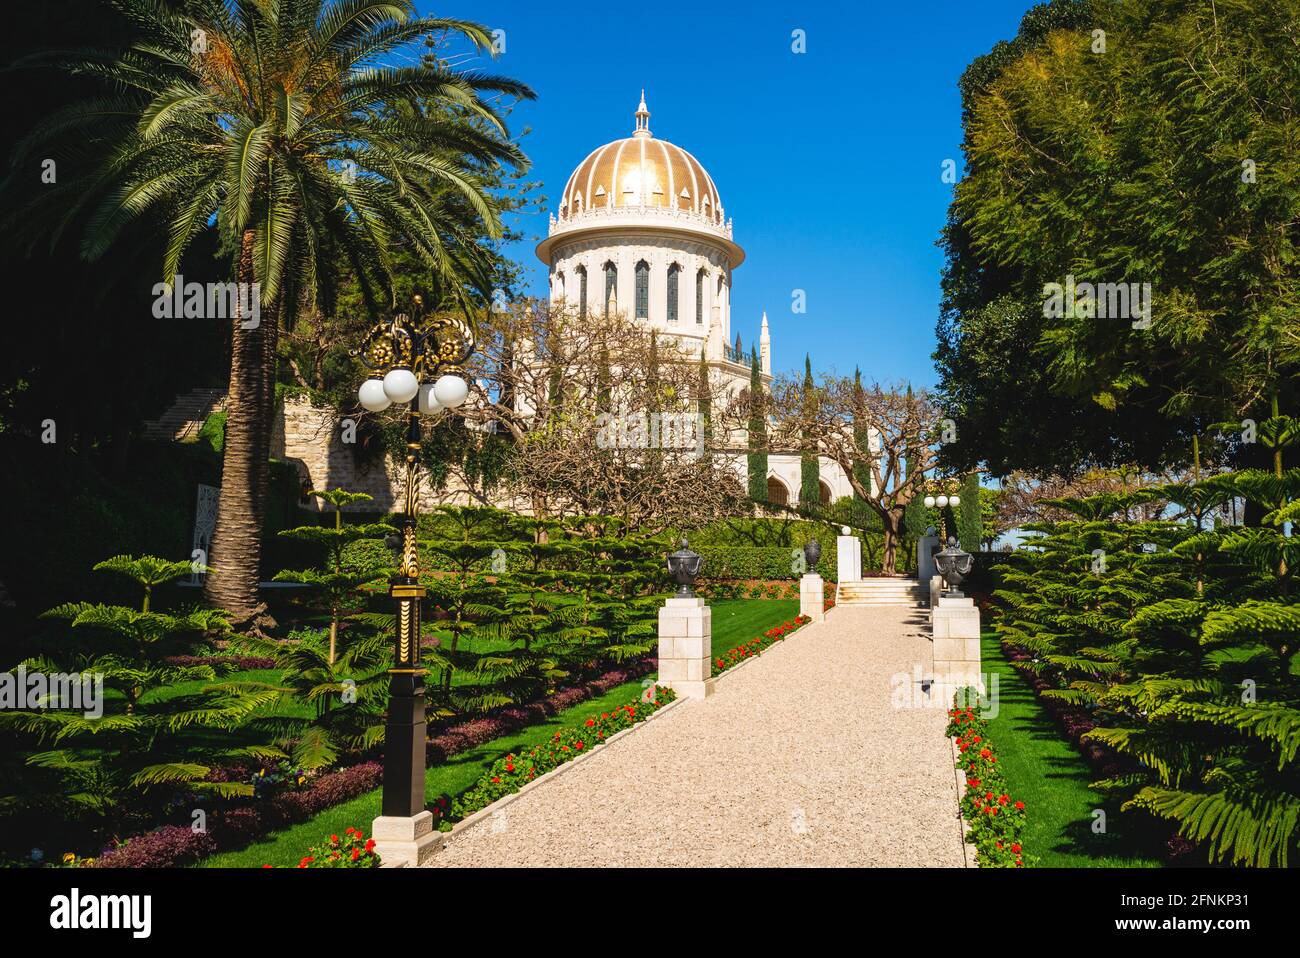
x: 954, y: 564
x: 812, y: 553
x: 683, y: 566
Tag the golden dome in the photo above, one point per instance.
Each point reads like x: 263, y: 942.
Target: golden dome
x: 640, y: 170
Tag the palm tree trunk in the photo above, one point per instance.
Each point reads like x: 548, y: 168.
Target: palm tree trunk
x: 232, y: 582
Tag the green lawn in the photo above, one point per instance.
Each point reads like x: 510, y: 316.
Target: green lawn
x: 734, y: 622
x: 739, y: 620
x: 1051, y: 777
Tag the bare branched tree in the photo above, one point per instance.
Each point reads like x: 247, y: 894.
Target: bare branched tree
x: 604, y: 417
x: 881, y: 436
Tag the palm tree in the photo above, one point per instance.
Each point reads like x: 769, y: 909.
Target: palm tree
x: 286, y: 126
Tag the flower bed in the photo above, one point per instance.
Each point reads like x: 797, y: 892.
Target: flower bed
x: 756, y: 646
x: 996, y: 818
x: 353, y: 850
x: 508, y: 775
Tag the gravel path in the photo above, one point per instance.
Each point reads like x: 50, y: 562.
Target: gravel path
x: 800, y: 758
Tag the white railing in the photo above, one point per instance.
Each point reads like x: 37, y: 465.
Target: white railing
x: 637, y: 216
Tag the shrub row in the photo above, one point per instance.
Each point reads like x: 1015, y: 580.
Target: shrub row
x: 997, y: 820
x: 747, y: 650
x: 511, y: 773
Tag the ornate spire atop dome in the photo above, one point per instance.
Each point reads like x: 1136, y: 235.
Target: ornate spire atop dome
x: 642, y: 119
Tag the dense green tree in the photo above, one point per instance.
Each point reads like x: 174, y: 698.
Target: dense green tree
x: 1161, y: 153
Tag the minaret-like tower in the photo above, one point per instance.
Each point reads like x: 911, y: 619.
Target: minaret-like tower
x: 765, y: 347
x: 642, y: 119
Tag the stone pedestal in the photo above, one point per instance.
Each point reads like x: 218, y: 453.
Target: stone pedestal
x: 686, y: 647
x: 926, y: 547
x: 812, y: 597
x: 405, y: 841
x: 848, y: 556
x: 956, y: 623
x: 936, y: 590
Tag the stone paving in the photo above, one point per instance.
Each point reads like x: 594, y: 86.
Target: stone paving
x: 800, y: 758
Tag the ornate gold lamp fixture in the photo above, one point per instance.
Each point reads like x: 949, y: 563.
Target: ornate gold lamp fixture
x: 417, y: 361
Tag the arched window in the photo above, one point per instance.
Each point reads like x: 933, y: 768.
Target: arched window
x: 642, y: 290
x: 673, y: 272
x: 824, y: 493
x: 611, y: 286
x: 582, y: 292
x: 559, y: 285
x: 777, y: 493
x: 699, y: 298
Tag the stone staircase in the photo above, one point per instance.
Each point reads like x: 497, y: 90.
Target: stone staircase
x: 891, y: 590
x: 186, y: 415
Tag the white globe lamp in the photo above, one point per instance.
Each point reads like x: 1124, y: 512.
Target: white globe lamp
x: 372, y: 395
x: 941, y: 501
x: 450, y: 390
x: 954, y: 501
x: 400, y: 385
x: 929, y: 502
x: 428, y: 401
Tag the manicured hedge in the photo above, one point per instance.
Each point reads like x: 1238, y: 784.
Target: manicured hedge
x: 761, y: 562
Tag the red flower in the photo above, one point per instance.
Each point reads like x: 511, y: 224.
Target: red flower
x: 985, y: 753
x: 356, y: 853
x: 496, y: 780
x: 1020, y: 806
x: 370, y: 845
x: 578, y: 746
x: 1015, y: 847
x: 1003, y: 799
x: 268, y: 866
x: 590, y: 722
x: 334, y: 839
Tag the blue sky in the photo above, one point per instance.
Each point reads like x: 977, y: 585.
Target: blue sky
x: 829, y: 162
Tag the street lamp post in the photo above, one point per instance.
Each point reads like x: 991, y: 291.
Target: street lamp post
x: 942, y: 502
x: 417, y: 361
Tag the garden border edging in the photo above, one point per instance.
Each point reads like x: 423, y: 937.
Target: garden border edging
x: 488, y: 811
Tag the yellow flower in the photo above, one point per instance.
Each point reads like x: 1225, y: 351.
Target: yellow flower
x: 69, y: 858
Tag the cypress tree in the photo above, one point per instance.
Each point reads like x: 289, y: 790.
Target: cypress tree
x: 809, y: 473
x: 757, y: 432
x: 970, y: 520
x: 861, y: 434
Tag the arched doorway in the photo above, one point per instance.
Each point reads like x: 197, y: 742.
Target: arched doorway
x: 777, y: 493
x: 823, y: 492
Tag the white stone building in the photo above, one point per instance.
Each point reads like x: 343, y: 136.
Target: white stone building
x: 641, y: 229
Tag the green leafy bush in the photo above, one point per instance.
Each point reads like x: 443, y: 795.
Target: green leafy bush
x: 1179, y: 642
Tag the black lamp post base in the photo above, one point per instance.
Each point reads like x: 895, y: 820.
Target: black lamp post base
x: 403, y: 832
x: 404, y: 746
